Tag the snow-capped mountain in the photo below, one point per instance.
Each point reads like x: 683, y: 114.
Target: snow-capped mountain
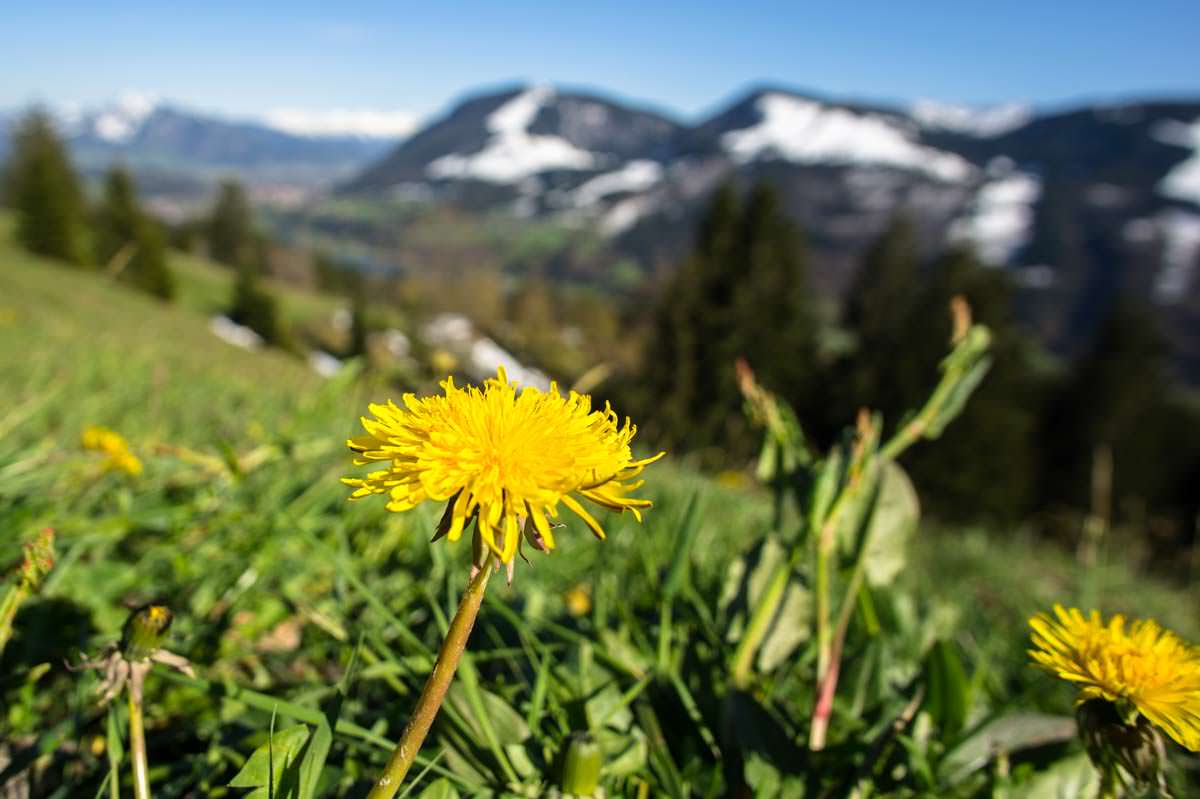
x: 177, y: 153
x: 530, y: 147
x: 1080, y: 203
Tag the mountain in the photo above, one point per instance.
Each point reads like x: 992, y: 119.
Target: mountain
x: 540, y: 150
x: 178, y: 153
x: 1084, y: 204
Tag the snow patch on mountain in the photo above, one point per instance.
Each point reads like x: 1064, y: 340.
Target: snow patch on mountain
x: 336, y: 122
x: 984, y: 123
x: 999, y: 220
x: 809, y: 132
x: 626, y: 213
x: 1183, y: 181
x: 121, y: 120
x: 637, y: 175
x: 512, y: 152
x: 1179, y: 233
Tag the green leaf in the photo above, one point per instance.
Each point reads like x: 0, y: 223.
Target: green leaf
x: 745, y: 583
x: 891, y: 526
x: 624, y: 753
x: 957, y: 396
x: 439, y: 789
x: 677, y: 575
x: 507, y: 723
x: 1066, y: 779
x: 948, y: 697
x: 1010, y: 733
x: 270, y: 769
x: 116, y: 752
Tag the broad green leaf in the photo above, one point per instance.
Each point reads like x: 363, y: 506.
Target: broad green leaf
x: 891, y: 526
x: 1067, y: 779
x: 1009, y: 733
x: 745, y: 583
x: 271, y: 763
x: 507, y: 723
x: 791, y: 628
x: 624, y: 753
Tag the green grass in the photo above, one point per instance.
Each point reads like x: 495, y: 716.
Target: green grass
x: 276, y: 580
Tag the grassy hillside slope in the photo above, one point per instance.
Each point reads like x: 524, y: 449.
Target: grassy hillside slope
x: 240, y: 522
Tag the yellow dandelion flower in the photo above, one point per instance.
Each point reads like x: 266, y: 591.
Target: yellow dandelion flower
x: 102, y: 439
x: 499, y: 456
x: 114, y: 445
x: 125, y: 462
x: 1143, y: 666
x: 578, y: 600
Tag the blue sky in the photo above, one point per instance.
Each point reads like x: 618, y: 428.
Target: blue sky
x: 246, y: 57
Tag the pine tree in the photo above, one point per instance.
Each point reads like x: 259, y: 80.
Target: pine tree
x: 880, y: 311
x: 127, y: 239
x: 741, y: 293
x: 358, y: 319
x: 1117, y: 398
x: 774, y: 325
x: 41, y: 186
x: 231, y: 237
x: 255, y: 307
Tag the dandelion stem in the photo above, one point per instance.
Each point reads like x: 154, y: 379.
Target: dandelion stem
x: 435, y: 688
x: 137, y: 740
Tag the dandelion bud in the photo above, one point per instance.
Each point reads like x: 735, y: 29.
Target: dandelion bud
x: 39, y: 559
x: 581, y: 766
x: 1114, y: 740
x: 145, y: 631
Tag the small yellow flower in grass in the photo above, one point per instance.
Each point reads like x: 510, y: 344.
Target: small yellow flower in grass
x: 114, y: 445
x: 1142, y: 667
x: 499, y: 456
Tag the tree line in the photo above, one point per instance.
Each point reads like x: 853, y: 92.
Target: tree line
x: 1108, y: 434
x: 118, y: 236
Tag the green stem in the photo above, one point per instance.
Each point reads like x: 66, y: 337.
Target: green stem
x: 760, y: 621
x: 137, y: 739
x: 8, y: 611
x: 435, y: 688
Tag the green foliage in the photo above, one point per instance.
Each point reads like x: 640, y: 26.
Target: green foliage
x: 277, y: 582
x: 231, y: 238
x: 1002, y: 417
x: 742, y: 293
x: 255, y: 307
x: 128, y: 241
x: 41, y: 186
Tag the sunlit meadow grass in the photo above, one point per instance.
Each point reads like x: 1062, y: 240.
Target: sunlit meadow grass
x: 239, y: 523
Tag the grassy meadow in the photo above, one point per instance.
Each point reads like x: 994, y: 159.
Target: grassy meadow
x: 312, y: 622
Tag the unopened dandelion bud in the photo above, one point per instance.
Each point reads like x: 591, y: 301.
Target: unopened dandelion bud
x: 145, y: 632
x: 39, y: 559
x: 581, y: 766
x: 1112, y: 741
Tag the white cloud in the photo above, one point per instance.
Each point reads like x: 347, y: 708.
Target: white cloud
x: 366, y: 123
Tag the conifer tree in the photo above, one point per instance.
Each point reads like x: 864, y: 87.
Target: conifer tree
x: 741, y: 293
x: 231, y: 237
x: 880, y: 309
x: 129, y: 240
x: 358, y: 318
x: 255, y: 307
x: 43, y: 189
x: 1116, y: 397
